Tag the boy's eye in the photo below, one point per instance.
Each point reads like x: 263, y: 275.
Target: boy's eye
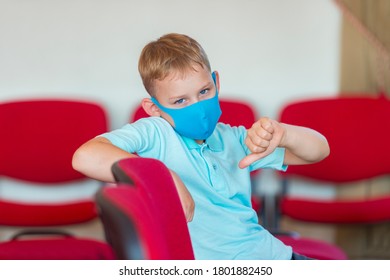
x: 180, y: 101
x: 204, y: 91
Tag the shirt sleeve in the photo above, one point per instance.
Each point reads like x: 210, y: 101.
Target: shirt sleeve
x: 273, y: 161
x: 137, y: 137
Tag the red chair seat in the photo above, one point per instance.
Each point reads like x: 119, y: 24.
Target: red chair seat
x: 314, y: 248
x: 46, y: 214
x: 67, y: 248
x: 338, y: 212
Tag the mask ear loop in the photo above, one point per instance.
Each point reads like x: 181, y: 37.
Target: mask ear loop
x: 214, y: 76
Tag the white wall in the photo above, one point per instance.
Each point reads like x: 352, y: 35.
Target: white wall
x: 267, y: 52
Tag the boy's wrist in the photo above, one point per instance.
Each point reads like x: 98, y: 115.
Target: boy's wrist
x: 285, y: 136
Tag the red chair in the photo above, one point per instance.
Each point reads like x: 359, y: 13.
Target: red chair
x: 353, y: 158
x: 358, y: 131
x: 162, y: 200
x: 38, y: 139
x: 130, y: 225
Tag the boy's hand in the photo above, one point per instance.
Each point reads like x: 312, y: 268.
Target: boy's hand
x: 262, y: 139
x: 186, y: 200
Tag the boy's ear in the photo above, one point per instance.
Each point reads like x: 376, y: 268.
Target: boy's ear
x: 150, y: 108
x: 216, y: 79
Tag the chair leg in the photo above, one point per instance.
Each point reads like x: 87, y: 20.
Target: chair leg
x: 271, y: 216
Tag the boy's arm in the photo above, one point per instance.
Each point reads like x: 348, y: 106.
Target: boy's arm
x: 303, y: 145
x: 186, y: 200
x: 95, y: 158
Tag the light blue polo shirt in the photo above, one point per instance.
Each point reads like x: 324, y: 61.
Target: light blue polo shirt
x: 224, y: 225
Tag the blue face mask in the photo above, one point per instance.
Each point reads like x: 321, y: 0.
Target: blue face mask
x: 196, y: 121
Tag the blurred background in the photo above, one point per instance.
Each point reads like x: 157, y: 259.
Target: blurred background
x: 267, y: 53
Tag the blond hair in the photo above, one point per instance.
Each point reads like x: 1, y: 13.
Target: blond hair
x: 170, y: 53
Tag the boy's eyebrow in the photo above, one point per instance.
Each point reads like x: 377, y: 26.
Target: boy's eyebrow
x: 209, y: 84
x: 178, y: 97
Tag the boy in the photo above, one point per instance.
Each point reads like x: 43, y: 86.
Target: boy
x: 209, y: 161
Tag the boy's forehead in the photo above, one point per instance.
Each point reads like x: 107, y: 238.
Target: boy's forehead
x: 183, y: 82
x: 183, y: 73
x: 190, y: 74
x: 178, y: 75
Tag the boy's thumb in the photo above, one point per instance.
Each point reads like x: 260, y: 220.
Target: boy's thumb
x: 249, y: 159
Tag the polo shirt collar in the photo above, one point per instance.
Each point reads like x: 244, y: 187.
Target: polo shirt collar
x: 213, y: 142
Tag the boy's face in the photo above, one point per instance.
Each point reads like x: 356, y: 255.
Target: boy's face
x: 177, y: 91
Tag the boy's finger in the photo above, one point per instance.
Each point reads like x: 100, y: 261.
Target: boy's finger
x: 266, y: 124
x: 256, y: 147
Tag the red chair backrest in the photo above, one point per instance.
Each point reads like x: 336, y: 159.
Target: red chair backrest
x: 38, y: 140
x: 130, y: 224
x: 155, y: 182
x: 357, y: 129
x: 237, y: 112
x: 39, y: 137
